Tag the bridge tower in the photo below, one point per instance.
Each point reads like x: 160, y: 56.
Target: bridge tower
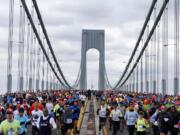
x: 92, y: 39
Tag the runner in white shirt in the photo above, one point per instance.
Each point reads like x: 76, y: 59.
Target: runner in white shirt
x: 49, y: 106
x: 35, y: 115
x: 102, y: 111
x: 16, y: 113
x: 83, y: 99
x: 115, y: 115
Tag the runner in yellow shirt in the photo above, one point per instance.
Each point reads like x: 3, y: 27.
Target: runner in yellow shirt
x: 141, y: 124
x: 10, y: 126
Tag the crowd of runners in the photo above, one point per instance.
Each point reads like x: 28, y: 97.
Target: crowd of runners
x: 42, y: 112
x: 140, y: 113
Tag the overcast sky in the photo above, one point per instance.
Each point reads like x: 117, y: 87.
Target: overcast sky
x: 64, y: 19
x: 121, y: 20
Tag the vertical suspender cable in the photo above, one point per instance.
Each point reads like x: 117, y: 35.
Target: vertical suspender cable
x: 146, y: 65
x: 158, y: 59
x: 10, y: 45
x: 31, y: 57
x: 154, y: 51
x: 19, y: 49
x: 165, y: 52
x: 176, y: 47
x: 142, y: 70
x: 47, y: 73
x: 150, y: 56
x: 137, y: 78
x: 43, y: 68
x: 38, y: 62
x: 27, y: 56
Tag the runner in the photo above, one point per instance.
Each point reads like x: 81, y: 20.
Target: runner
x: 37, y: 113
x: 23, y: 119
x: 67, y: 120
x: 76, y: 111
x: 149, y: 104
x: 10, y: 126
x: 83, y: 99
x: 164, y: 121
x: 45, y: 123
x: 49, y: 106
x: 153, y: 120
x: 175, y: 119
x: 141, y: 124
x: 130, y: 118
x: 57, y: 114
x: 102, y: 111
x: 116, y: 115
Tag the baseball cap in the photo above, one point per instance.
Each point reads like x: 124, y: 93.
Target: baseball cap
x: 162, y: 108
x: 9, y: 111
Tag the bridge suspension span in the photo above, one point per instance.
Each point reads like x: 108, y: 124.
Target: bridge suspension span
x: 147, y: 69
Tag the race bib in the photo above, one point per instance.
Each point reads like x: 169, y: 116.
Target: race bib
x: 115, y: 117
x: 102, y: 113
x: 35, y: 117
x: 68, y: 121
x: 131, y: 119
x: 141, y: 126
x: 10, y: 132
x: 166, y: 119
x: 156, y: 123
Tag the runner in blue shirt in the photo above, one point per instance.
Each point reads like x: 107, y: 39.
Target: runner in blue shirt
x: 23, y: 121
x: 76, y: 111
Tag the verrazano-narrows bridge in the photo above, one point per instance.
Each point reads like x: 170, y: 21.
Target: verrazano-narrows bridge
x: 148, y: 69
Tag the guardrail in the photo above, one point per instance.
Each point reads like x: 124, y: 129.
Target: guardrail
x: 105, y: 130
